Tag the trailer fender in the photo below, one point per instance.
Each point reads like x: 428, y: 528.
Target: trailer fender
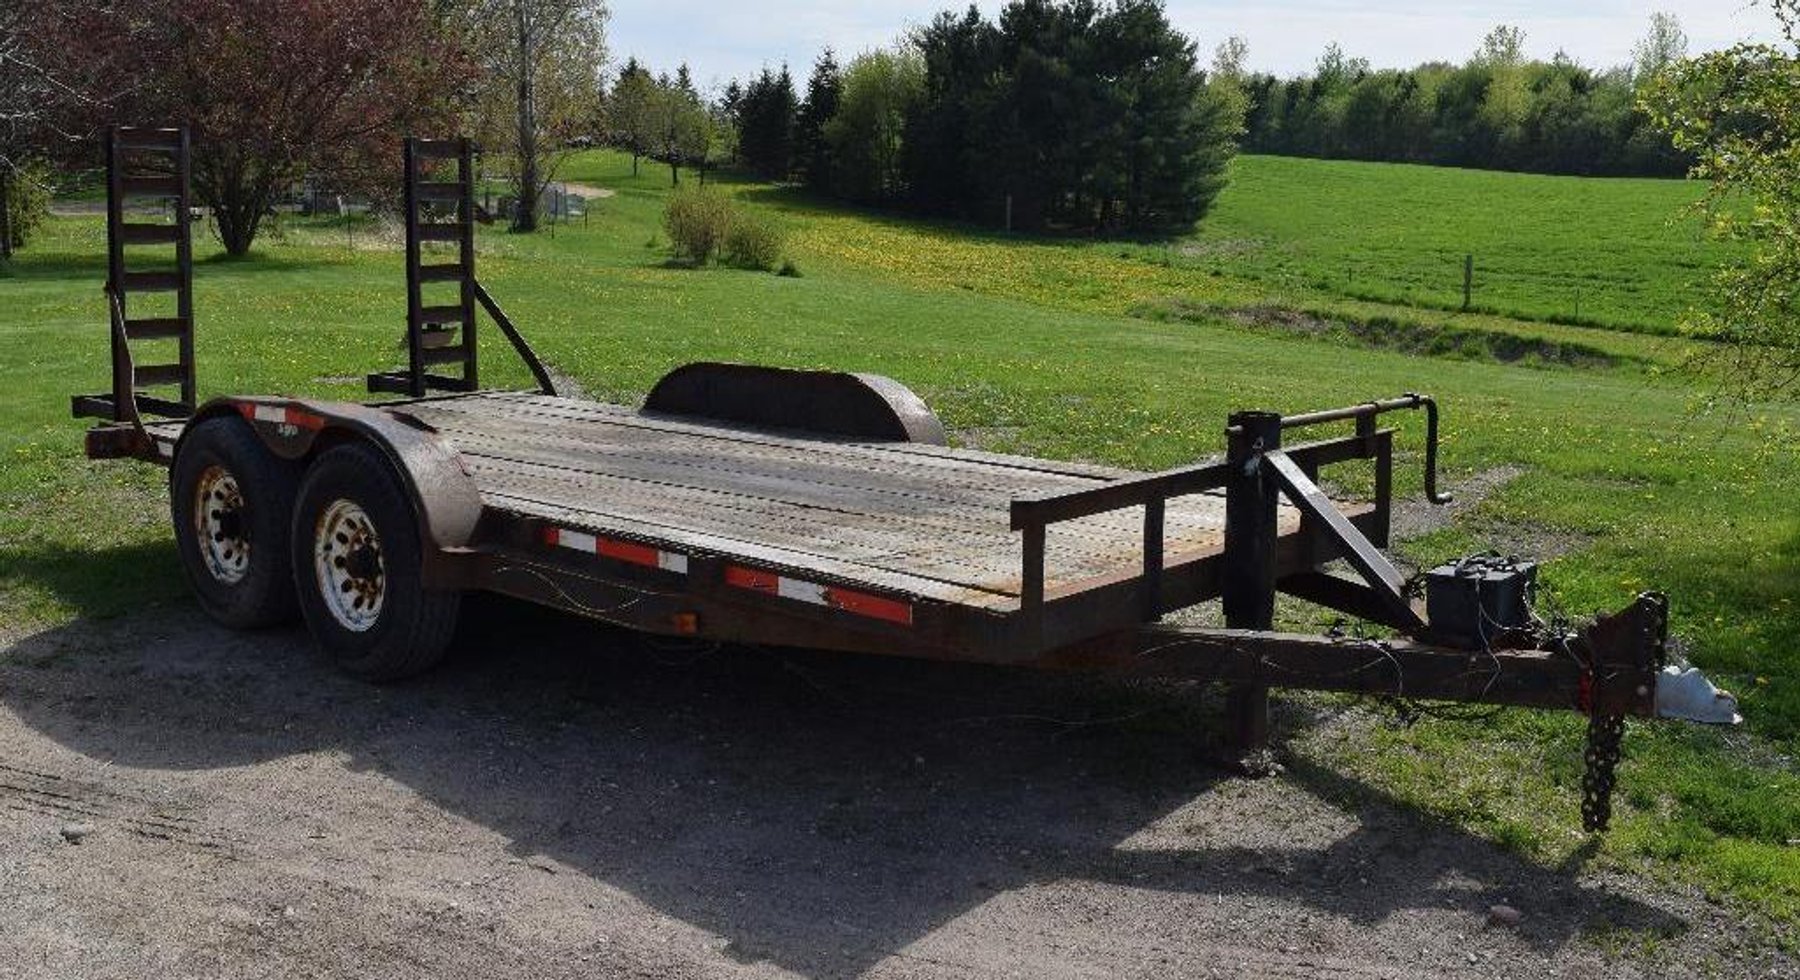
x: 444, y: 496
x: 826, y: 403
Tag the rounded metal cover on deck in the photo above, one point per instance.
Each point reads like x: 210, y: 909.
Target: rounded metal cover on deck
x: 833, y: 403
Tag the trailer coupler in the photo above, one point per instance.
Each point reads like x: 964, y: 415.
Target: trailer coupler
x: 1614, y: 668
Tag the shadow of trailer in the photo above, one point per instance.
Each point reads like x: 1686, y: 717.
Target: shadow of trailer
x: 812, y: 509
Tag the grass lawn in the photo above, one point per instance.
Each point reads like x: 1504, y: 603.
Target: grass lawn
x: 1033, y: 346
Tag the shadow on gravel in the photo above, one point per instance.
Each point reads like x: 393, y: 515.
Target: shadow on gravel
x: 820, y: 812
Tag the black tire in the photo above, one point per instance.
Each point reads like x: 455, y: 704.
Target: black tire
x: 234, y: 544
x: 384, y: 625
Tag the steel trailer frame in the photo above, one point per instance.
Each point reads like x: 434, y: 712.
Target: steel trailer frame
x: 1608, y: 670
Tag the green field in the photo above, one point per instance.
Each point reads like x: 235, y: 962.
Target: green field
x: 1615, y: 252
x: 1127, y: 353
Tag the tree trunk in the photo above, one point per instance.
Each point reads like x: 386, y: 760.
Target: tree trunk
x: 525, y: 217
x: 674, y: 172
x: 239, y: 217
x: 237, y: 198
x: 6, y: 234
x: 634, y: 161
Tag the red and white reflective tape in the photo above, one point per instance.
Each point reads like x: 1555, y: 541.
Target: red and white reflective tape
x: 629, y: 552
x: 281, y: 415
x: 848, y: 600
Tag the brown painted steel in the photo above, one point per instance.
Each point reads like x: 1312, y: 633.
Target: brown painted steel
x: 1384, y: 580
x: 862, y: 406
x: 125, y: 403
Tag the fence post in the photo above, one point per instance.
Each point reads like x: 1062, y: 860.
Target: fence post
x: 1468, y: 282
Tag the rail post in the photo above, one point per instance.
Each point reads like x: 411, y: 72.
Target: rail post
x: 1248, y: 589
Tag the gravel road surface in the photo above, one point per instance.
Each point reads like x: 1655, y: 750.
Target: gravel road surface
x: 567, y: 801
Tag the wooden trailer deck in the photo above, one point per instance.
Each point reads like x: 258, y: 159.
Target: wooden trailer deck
x: 924, y: 520
x: 927, y: 521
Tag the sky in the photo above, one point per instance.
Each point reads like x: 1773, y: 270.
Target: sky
x: 726, y: 40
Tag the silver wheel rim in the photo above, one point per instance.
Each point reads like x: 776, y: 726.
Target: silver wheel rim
x: 219, y: 526
x: 347, y: 563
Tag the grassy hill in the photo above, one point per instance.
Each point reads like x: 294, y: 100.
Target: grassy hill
x: 1128, y: 353
x: 1605, y: 252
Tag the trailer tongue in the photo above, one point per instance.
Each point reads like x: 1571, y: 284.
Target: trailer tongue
x: 818, y: 509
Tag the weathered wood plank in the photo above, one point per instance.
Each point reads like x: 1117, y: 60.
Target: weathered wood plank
x: 810, y: 488
x: 832, y: 572
x: 905, y: 454
x: 974, y: 559
x: 625, y: 429
x: 882, y: 478
x: 868, y: 512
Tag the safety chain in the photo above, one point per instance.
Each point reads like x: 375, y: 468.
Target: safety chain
x: 1605, y: 733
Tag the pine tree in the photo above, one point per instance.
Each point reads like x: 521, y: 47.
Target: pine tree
x: 812, y: 154
x: 766, y: 125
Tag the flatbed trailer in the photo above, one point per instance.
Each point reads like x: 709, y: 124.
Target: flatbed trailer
x: 810, y: 509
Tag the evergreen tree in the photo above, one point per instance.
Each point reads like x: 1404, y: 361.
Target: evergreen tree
x: 812, y: 154
x: 943, y: 134
x: 766, y: 116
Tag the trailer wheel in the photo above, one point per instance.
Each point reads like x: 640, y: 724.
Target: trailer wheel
x: 230, y: 501
x: 357, y: 558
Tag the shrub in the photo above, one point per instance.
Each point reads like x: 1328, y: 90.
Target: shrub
x: 754, y: 241
x: 698, y: 221
x: 27, y: 201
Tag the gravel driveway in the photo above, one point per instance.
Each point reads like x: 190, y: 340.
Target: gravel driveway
x: 565, y: 801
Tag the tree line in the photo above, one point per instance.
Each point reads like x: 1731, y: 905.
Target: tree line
x: 1073, y: 114
x: 1085, y: 114
x: 1497, y: 111
x: 1056, y: 114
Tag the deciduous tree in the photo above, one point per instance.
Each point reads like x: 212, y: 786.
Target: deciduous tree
x: 540, y: 85
x: 271, y: 89
x: 880, y: 89
x: 1738, y: 112
x: 682, y: 126
x: 632, y: 111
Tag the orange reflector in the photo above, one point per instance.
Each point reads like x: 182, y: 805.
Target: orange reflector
x: 872, y: 606
x: 750, y: 578
x: 626, y: 551
x: 831, y: 596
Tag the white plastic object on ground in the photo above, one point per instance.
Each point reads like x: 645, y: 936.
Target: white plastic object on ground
x: 1686, y: 695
